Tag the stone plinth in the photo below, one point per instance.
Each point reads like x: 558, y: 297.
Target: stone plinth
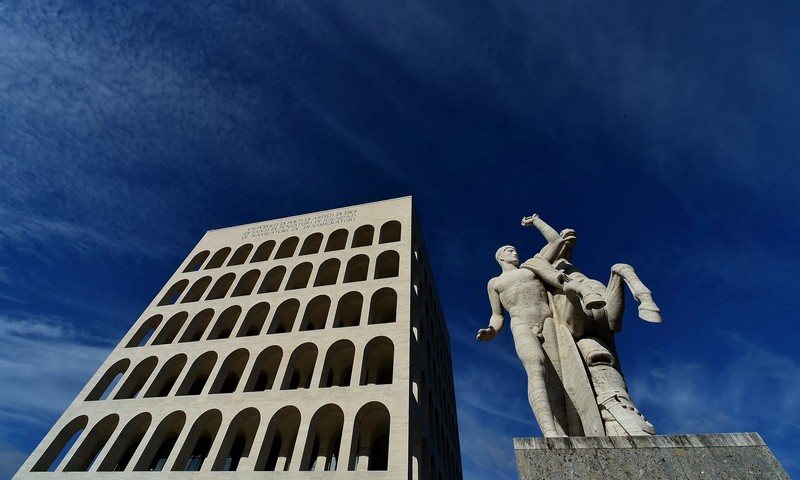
x: 715, y: 456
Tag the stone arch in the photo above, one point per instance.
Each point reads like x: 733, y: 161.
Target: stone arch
x: 363, y: 236
x: 254, y: 320
x: 155, y: 455
x: 348, y: 311
x: 145, y: 331
x: 174, y: 293
x: 370, y: 447
x: 301, y: 367
x: 197, y: 290
x: 170, y: 329
x: 311, y: 244
x: 238, y: 440
x: 321, y: 452
x: 133, y: 383
x: 93, y: 442
x: 279, y: 441
x: 287, y: 248
x: 240, y: 256
x: 338, y: 366
x: 166, y: 377
x: 230, y: 372
x: 121, y: 452
x: 198, y: 442
x: 60, y: 445
x: 198, y: 374
x: 284, y: 317
x: 273, y: 279
x: 383, y: 306
x: 263, y: 251
x: 197, y: 326
x: 387, y: 265
x: 357, y: 269
x: 378, y: 363
x: 300, y: 276
x: 246, y: 284
x: 225, y: 323
x: 219, y: 258
x: 390, y: 232
x: 196, y: 262
x: 337, y: 240
x: 316, y: 313
x: 221, y: 287
x: 328, y: 272
x: 265, y: 370
x: 109, y: 379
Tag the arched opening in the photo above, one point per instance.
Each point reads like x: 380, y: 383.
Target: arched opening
x: 312, y: 244
x: 301, y: 367
x: 197, y: 327
x: 276, y: 451
x: 238, y: 441
x: 196, y: 262
x: 263, y: 251
x: 348, y: 312
x: 390, y: 232
x: 218, y: 259
x: 383, y: 307
x: 222, y: 286
x: 145, y: 332
x: 321, y: 452
x: 174, y: 293
x: 246, y: 284
x: 337, y: 240
x: 287, y: 248
x: 167, y: 377
x: 198, y: 374
x: 230, y: 372
x: 370, y: 448
x: 316, y: 313
x: 265, y: 370
x: 254, y: 320
x: 273, y: 279
x: 109, y: 380
x: 121, y: 452
x: 338, y: 366
x: 60, y: 445
x: 198, y: 442
x: 328, y: 272
x: 299, y: 277
x: 378, y: 362
x: 155, y: 455
x: 95, y: 440
x: 387, y: 265
x: 241, y: 254
x: 285, y: 314
x: 198, y: 289
x: 137, y: 378
x: 363, y: 236
x: 225, y: 323
x: 357, y: 269
x: 170, y: 329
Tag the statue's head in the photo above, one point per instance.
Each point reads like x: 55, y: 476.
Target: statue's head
x: 507, y: 254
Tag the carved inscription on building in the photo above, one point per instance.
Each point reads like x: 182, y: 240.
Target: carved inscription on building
x: 302, y: 223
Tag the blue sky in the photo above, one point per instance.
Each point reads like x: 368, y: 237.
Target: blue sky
x: 665, y: 133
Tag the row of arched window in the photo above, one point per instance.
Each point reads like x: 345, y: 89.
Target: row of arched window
x: 262, y: 319
x: 387, y: 265
x: 337, y: 240
x: 238, y: 373
x: 245, y: 443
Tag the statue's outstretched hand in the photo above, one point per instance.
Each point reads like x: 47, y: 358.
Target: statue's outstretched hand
x: 528, y: 221
x: 486, y: 334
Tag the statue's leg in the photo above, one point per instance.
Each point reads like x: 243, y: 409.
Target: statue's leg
x: 648, y: 310
x: 531, y: 354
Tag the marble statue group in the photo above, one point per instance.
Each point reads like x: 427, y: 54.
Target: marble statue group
x: 563, y: 324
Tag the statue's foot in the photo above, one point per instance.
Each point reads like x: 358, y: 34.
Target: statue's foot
x: 650, y: 313
x: 593, y: 301
x: 628, y: 416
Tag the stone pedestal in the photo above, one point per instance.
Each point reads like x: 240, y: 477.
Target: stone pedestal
x: 715, y: 456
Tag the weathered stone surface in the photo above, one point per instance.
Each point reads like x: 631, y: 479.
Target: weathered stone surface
x: 728, y: 456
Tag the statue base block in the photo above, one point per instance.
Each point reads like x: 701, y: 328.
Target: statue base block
x: 673, y: 457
